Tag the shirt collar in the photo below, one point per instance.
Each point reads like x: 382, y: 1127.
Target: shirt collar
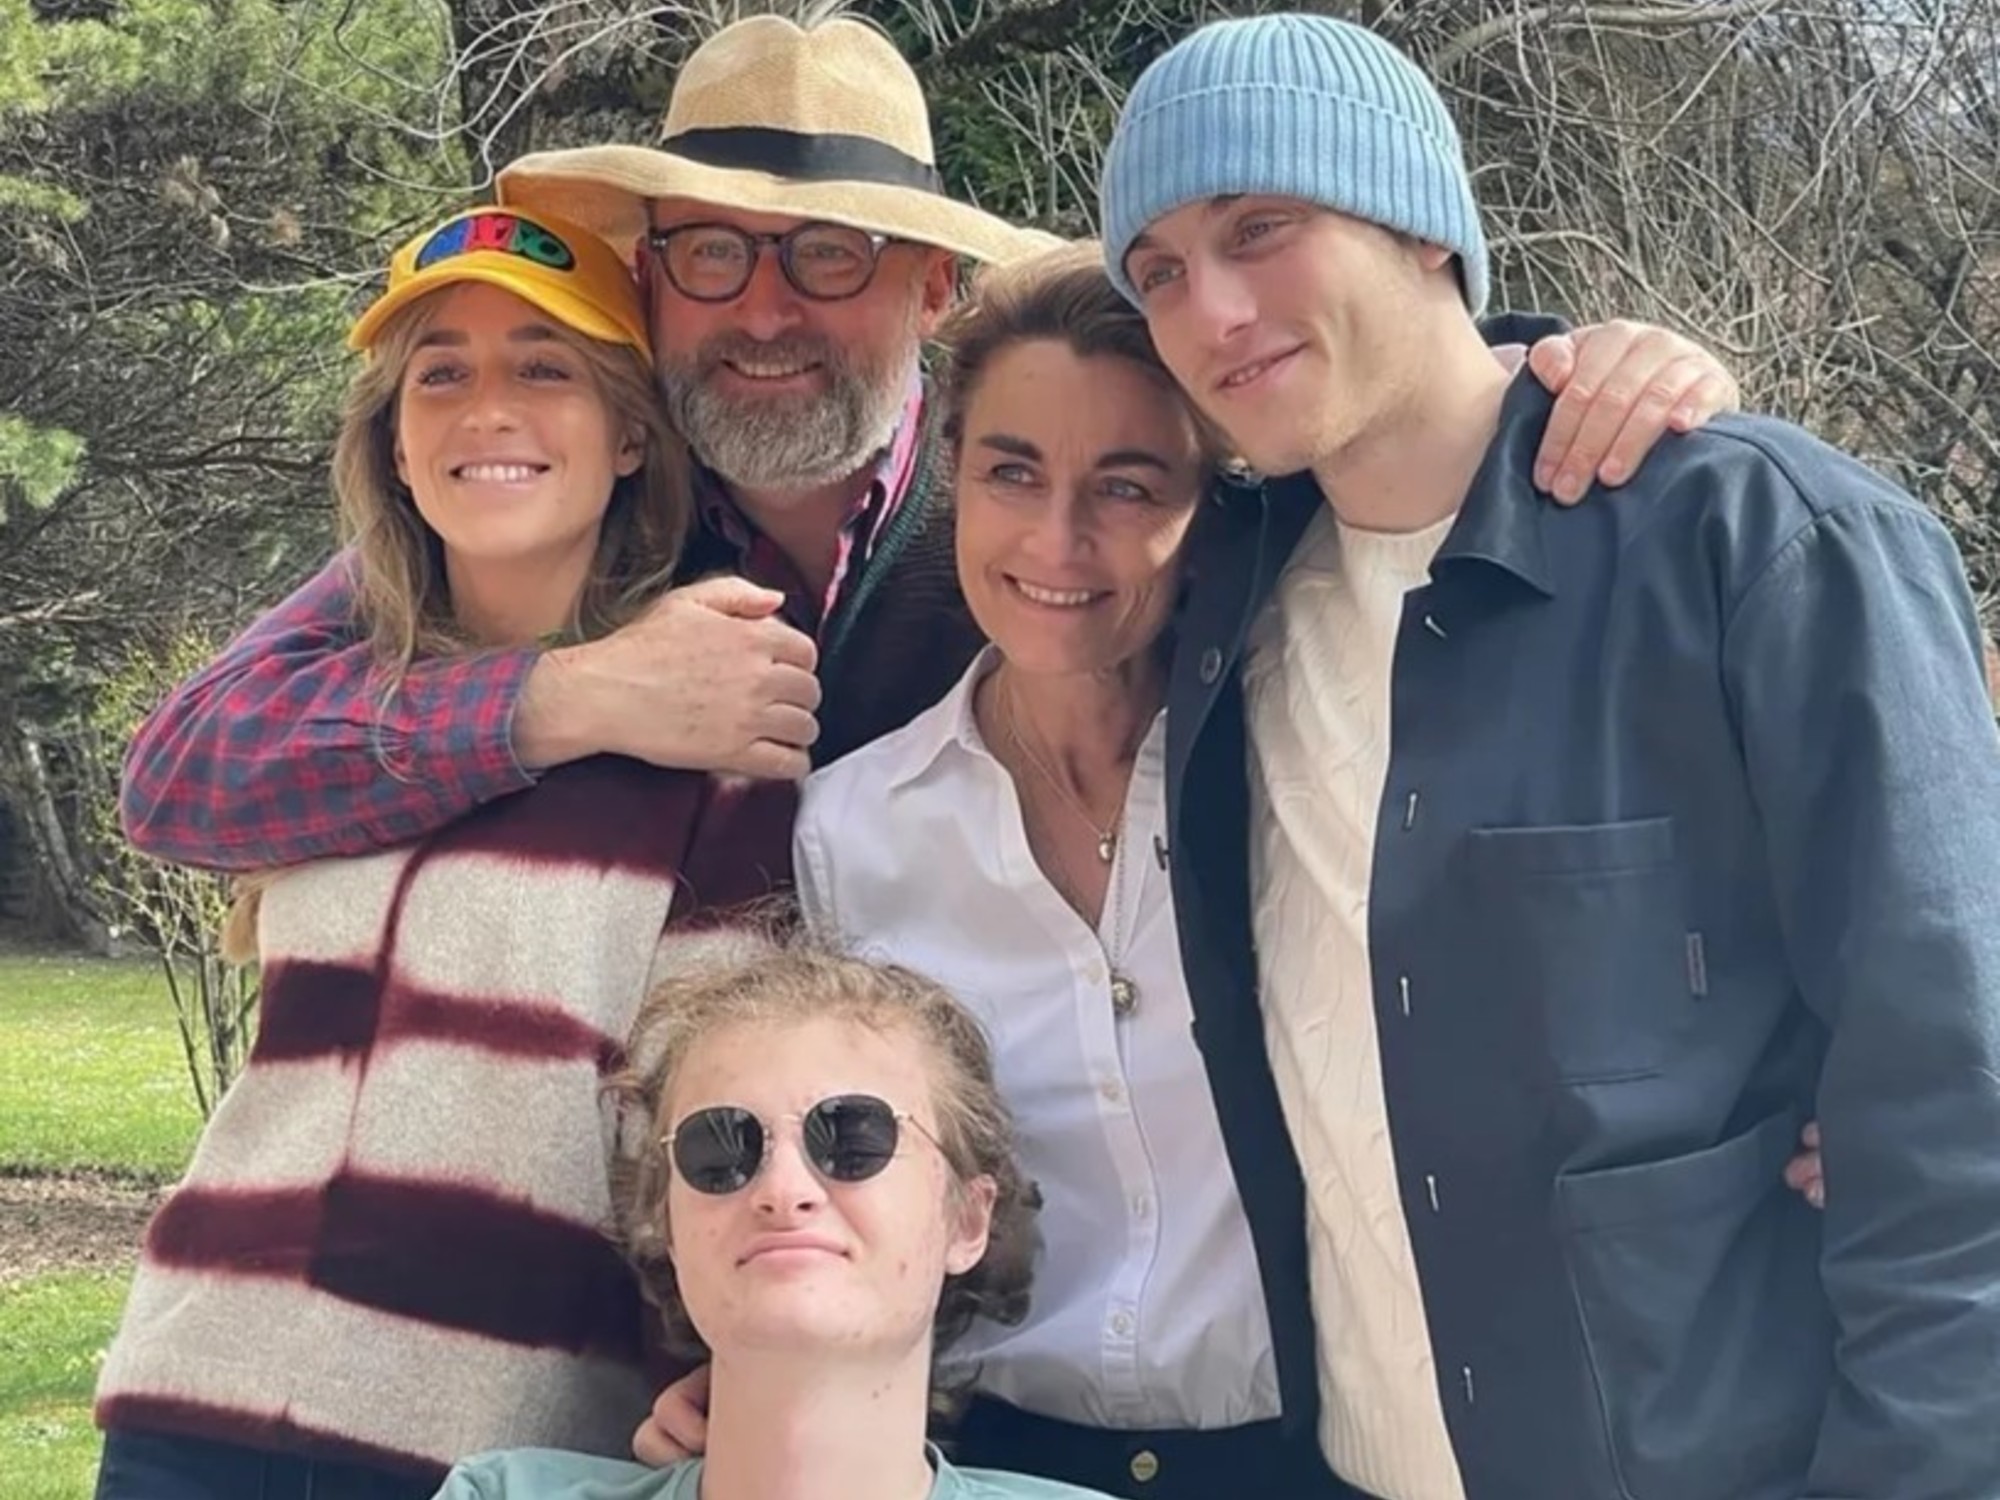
x: 1501, y: 521
x: 949, y: 723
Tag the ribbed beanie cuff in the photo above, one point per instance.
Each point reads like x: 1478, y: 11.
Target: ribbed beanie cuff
x: 1301, y: 107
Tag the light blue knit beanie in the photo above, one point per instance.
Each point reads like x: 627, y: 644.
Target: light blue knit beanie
x: 1300, y: 106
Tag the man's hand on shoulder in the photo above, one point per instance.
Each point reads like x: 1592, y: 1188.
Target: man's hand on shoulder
x: 1620, y: 388
x: 708, y: 678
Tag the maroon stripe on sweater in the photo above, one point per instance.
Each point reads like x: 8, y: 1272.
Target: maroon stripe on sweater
x: 508, y: 1027
x: 741, y: 851
x: 454, y: 1256
x: 313, y: 1009
x: 605, y: 812
x: 271, y: 1434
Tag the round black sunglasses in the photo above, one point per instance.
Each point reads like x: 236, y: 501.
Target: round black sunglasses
x: 848, y: 1138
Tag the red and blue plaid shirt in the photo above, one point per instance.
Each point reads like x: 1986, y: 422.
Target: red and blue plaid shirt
x: 286, y: 747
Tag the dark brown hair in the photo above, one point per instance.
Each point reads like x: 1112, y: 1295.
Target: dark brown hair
x: 1061, y: 295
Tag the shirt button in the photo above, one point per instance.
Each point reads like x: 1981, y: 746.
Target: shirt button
x: 1211, y: 666
x: 1111, y: 1092
x: 1141, y: 1206
x: 1145, y: 1465
x: 1121, y: 1324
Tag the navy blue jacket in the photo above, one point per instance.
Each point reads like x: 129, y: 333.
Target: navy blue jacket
x: 1691, y: 832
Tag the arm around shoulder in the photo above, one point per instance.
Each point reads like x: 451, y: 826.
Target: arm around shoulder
x: 292, y: 746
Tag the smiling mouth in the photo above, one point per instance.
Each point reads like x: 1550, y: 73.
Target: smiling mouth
x: 491, y: 473
x: 1244, y: 375
x: 1034, y: 593
x: 752, y: 369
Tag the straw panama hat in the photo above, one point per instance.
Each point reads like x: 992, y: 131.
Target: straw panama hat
x: 768, y: 117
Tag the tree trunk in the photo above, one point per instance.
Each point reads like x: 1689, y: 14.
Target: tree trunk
x: 22, y: 767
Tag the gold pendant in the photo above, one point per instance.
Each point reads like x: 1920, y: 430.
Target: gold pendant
x: 1107, y: 845
x: 1124, y: 995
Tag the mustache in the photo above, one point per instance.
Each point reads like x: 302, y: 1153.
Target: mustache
x: 795, y: 349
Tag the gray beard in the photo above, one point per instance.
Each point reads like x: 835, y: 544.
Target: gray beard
x: 791, y: 442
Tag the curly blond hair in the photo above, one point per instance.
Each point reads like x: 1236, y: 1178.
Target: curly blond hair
x: 793, y: 978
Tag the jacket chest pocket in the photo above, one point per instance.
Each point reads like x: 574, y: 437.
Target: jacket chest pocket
x: 1581, y: 935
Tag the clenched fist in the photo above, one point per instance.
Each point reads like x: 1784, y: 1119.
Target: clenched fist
x: 707, y: 679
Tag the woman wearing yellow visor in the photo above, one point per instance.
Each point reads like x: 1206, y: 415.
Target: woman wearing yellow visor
x: 388, y: 1251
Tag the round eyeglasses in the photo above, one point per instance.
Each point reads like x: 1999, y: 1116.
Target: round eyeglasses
x: 848, y: 1138
x: 714, y: 262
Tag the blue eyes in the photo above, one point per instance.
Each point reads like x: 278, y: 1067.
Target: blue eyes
x: 1024, y: 476
x: 1244, y: 235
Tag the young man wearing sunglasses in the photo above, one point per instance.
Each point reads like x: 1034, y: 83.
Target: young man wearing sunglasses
x: 821, y: 1193
x: 796, y: 248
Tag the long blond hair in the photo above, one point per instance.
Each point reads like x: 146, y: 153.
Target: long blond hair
x: 401, y: 602
x: 400, y: 595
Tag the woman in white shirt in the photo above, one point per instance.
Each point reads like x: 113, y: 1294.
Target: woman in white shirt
x: 1010, y: 844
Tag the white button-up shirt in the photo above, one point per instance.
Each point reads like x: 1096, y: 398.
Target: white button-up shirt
x: 1146, y: 1310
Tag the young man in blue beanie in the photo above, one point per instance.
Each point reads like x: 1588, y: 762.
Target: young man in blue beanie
x: 1590, y: 852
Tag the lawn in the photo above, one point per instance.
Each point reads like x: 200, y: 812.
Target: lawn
x: 52, y: 1332
x: 91, y: 1079
x: 91, y: 1072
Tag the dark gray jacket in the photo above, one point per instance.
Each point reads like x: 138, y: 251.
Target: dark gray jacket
x: 1691, y: 831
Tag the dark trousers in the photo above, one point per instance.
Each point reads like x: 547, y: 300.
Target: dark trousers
x: 1257, y: 1459
x: 144, y: 1466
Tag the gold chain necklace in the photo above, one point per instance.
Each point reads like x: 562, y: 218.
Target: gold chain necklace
x: 1107, y: 838
x: 1124, y: 991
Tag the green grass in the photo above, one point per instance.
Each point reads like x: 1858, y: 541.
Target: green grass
x: 91, y: 1079
x: 91, y: 1070
x: 52, y: 1333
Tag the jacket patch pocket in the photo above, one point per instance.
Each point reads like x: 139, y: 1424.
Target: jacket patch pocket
x: 1698, y: 1296
x: 1581, y: 937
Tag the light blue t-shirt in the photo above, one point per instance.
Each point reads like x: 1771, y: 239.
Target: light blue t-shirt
x: 552, y: 1474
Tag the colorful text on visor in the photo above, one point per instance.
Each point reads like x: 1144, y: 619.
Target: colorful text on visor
x: 504, y: 233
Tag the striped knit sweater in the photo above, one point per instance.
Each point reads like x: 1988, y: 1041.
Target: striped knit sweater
x: 389, y: 1246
